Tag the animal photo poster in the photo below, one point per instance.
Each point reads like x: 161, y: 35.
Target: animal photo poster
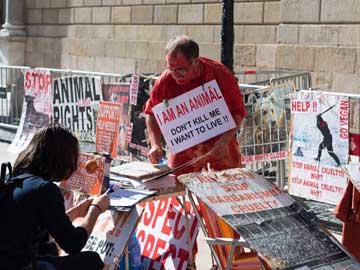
x: 264, y: 132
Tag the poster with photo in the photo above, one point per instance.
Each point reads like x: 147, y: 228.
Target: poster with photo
x: 36, y: 110
x: 136, y: 129
x: 82, y: 180
x: 264, y: 133
x: 320, y: 145
x: 120, y: 93
x: 107, y: 128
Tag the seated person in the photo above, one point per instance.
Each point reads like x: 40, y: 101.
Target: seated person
x: 35, y: 208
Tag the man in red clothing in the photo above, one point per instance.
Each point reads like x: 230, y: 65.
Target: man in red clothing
x: 186, y: 71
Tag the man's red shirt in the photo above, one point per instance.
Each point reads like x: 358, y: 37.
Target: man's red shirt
x: 166, y: 88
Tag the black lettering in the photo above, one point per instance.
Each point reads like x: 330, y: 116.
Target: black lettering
x: 56, y: 92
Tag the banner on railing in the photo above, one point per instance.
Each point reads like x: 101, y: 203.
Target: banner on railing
x: 75, y: 104
x: 264, y: 132
x: 36, y: 110
x: 119, y: 93
x: 107, y: 127
x: 320, y: 145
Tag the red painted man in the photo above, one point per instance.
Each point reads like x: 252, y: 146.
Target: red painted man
x: 186, y: 71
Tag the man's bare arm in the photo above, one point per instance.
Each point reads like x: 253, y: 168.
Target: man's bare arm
x: 156, y: 152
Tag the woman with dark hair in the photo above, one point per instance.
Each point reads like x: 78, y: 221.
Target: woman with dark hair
x: 36, y: 208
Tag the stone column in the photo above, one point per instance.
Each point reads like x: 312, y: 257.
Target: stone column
x: 14, y: 19
x: 13, y: 36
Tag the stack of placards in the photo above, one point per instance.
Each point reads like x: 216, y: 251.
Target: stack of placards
x: 282, y: 231
x: 139, y: 170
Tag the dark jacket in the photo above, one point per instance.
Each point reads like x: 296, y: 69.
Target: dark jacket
x: 33, y: 209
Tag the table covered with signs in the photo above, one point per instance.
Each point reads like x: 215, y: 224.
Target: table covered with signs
x: 280, y: 229
x: 154, y: 214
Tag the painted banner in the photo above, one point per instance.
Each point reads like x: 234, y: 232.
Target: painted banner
x: 320, y: 146
x: 264, y: 133
x: 163, y: 236
x: 136, y: 137
x: 284, y: 234
x: 75, y: 104
x: 111, y: 234
x: 36, y: 108
x: 193, y: 117
x: 83, y: 181
x: 107, y: 127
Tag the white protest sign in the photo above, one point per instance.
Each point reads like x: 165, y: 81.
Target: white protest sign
x: 238, y: 191
x: 193, y: 117
x: 111, y: 234
x: 320, y: 144
x: 163, y: 236
x: 75, y: 104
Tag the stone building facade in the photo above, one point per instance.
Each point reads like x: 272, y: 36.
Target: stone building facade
x: 127, y: 36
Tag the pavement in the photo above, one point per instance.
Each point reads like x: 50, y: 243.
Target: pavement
x: 203, y: 258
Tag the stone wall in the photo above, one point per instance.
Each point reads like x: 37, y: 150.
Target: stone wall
x: 122, y: 36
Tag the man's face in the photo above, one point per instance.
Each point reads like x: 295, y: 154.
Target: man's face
x: 181, y: 69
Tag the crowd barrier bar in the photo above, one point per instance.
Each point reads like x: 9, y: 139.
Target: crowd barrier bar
x: 11, y: 95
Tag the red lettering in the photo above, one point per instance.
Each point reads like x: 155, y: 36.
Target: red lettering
x: 160, y: 211
x: 170, y: 251
x: 178, y: 233
x: 170, y: 215
x: 160, y: 244
x: 141, y: 236
x: 149, y: 245
x: 147, y: 217
x: 183, y: 257
x: 27, y: 79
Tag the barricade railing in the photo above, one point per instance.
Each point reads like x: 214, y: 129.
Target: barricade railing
x: 251, y: 83
x: 264, y: 135
x: 301, y: 79
x: 11, y: 95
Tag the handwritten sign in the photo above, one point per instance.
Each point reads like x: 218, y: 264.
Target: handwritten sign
x: 193, y: 117
x: 107, y: 127
x: 111, y: 233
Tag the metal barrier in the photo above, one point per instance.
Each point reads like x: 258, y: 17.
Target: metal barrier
x: 301, y: 79
x: 251, y: 82
x: 264, y: 135
x: 11, y: 95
